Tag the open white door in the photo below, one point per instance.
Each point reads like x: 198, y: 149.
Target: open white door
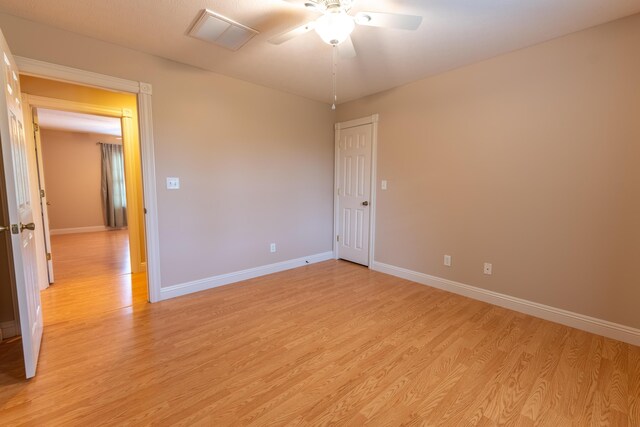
x: 19, y: 203
x: 44, y: 204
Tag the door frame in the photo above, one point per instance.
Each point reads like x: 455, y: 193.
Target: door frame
x: 42, y: 243
x: 372, y: 120
x: 29, y: 102
x: 143, y: 91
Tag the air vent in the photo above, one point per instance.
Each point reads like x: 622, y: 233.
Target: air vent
x: 222, y: 31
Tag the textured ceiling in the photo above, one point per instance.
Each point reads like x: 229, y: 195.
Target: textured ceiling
x: 453, y: 33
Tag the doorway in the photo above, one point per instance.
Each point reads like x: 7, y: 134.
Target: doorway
x: 19, y: 173
x: 92, y: 233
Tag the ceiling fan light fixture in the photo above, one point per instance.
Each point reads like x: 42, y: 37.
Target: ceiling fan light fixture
x: 334, y: 28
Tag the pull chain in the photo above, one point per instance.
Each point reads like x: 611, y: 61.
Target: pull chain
x: 334, y: 72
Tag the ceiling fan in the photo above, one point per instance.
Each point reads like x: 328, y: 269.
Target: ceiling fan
x: 335, y: 24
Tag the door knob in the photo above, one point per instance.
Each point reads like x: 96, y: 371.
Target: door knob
x: 3, y: 228
x: 31, y: 226
x: 365, y: 203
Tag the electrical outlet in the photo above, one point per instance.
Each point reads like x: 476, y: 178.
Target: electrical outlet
x: 272, y: 247
x: 383, y: 184
x: 488, y: 268
x: 447, y: 260
x: 173, y: 183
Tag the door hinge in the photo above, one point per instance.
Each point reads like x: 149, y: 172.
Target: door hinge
x: 41, y: 193
x: 48, y: 256
x: 36, y: 127
x: 15, y: 229
x: 338, y: 238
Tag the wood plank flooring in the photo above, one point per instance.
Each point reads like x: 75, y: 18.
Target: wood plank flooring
x: 92, y: 276
x: 330, y: 343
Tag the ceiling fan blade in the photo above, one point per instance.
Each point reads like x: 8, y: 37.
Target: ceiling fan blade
x: 346, y: 50
x: 311, y: 4
x: 293, y: 33
x: 388, y: 20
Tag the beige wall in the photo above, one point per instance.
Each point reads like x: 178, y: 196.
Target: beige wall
x: 256, y: 164
x: 72, y: 172
x: 529, y: 161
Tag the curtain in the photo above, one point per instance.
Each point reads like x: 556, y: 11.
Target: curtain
x: 114, y: 195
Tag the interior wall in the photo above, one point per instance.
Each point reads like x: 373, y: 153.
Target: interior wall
x: 255, y: 164
x: 528, y: 161
x: 72, y: 172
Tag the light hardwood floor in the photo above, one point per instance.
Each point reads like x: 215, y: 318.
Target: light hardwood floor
x: 330, y: 343
x: 92, y: 276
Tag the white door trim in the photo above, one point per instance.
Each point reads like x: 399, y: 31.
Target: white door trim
x: 42, y: 243
x: 143, y: 91
x: 373, y: 120
x: 33, y: 67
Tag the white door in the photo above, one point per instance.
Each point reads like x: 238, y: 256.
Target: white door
x: 19, y: 204
x: 354, y: 192
x: 44, y: 204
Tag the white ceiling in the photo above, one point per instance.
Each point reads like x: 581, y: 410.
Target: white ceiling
x: 78, y: 122
x: 453, y: 33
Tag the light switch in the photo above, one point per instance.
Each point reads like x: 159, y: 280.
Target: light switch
x: 383, y: 184
x: 173, y: 183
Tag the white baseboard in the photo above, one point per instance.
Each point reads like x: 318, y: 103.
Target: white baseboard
x: 91, y: 229
x: 8, y: 329
x: 564, y: 317
x: 238, y: 276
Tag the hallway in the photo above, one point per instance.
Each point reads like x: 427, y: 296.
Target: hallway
x: 92, y: 276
